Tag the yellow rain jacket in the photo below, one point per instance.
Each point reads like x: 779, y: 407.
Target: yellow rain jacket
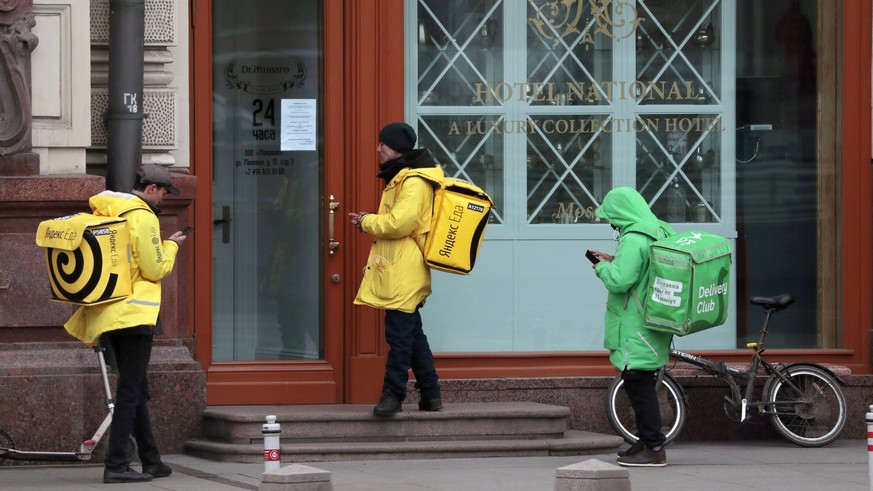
x: 396, y: 276
x: 151, y: 260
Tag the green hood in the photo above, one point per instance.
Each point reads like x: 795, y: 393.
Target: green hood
x: 626, y: 209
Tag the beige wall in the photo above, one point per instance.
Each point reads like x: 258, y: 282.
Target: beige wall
x: 61, y: 82
x: 70, y: 73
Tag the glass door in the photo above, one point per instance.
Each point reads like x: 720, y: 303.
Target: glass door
x: 267, y: 181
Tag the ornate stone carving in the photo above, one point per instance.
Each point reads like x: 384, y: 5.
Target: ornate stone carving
x: 9, y: 5
x: 16, y: 43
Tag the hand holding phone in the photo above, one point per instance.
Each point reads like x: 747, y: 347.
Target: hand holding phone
x: 591, y: 257
x: 187, y: 230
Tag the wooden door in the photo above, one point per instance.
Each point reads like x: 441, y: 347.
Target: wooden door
x: 269, y: 306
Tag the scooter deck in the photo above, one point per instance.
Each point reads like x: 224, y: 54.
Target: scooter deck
x: 11, y: 453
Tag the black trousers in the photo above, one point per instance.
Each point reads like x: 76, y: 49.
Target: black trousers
x: 408, y: 348
x: 131, y: 414
x: 640, y: 388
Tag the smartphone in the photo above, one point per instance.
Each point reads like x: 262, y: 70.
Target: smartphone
x: 591, y: 257
x: 187, y: 230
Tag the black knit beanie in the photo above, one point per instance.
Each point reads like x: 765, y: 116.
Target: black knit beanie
x: 399, y: 137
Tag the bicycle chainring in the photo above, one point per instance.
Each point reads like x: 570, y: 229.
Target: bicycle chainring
x: 730, y: 410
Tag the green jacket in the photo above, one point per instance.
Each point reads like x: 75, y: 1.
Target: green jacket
x: 151, y: 259
x: 631, y: 346
x: 396, y: 276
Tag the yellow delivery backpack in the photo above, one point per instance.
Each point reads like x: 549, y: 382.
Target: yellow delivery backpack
x: 88, y: 258
x: 460, y: 214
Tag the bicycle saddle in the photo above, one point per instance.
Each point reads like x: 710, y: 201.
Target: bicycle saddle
x: 776, y: 303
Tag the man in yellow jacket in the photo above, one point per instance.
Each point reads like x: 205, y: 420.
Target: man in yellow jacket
x: 396, y: 278
x: 127, y: 326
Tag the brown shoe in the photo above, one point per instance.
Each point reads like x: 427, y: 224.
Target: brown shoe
x: 634, y: 449
x: 648, y: 457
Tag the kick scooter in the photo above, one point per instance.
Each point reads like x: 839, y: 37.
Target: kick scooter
x: 7, y: 447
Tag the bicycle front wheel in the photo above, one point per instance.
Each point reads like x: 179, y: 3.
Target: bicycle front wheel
x: 670, y: 400
x: 5, y: 442
x: 806, y: 405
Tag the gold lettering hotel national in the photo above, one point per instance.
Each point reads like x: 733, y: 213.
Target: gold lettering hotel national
x: 588, y: 93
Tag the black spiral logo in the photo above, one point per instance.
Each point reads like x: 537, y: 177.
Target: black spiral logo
x: 64, y: 278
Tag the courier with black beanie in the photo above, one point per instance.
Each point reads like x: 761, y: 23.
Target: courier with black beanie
x: 396, y: 278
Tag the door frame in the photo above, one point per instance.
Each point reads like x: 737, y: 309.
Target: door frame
x: 374, y: 88
x: 270, y: 382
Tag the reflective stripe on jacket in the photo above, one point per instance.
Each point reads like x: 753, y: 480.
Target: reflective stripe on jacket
x: 151, y: 259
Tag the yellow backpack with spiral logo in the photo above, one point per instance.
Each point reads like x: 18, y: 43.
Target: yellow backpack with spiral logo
x: 88, y: 258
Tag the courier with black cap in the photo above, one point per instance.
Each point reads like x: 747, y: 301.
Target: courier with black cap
x: 396, y: 278
x: 157, y: 175
x: 127, y: 326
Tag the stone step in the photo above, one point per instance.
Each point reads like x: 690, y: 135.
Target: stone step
x: 570, y: 443
x: 356, y: 422
x: 316, y: 433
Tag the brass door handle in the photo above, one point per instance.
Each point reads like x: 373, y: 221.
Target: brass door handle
x: 332, y: 245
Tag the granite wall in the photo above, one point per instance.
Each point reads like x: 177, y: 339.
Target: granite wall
x: 52, y: 396
x: 586, y: 398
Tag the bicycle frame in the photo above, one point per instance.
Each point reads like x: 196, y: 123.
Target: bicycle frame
x: 802, y: 400
x: 730, y: 374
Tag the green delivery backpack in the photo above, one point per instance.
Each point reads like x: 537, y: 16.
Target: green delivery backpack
x: 688, y: 284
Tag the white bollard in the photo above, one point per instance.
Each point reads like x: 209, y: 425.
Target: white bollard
x: 272, y: 452
x: 870, y: 448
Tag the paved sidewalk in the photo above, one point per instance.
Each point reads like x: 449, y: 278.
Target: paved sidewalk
x: 697, y: 466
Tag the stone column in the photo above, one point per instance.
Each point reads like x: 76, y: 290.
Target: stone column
x: 17, y: 42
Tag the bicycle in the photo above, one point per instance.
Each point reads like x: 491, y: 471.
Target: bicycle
x: 803, y: 400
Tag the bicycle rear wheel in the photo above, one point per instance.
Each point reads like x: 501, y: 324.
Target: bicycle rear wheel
x: 807, y: 407
x: 670, y: 399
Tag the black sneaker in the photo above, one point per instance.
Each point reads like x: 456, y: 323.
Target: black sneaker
x: 389, y: 404
x: 157, y: 470
x: 648, y: 457
x: 430, y: 404
x: 634, y: 449
x: 127, y: 475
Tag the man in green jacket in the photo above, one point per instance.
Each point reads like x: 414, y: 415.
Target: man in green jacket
x: 636, y: 351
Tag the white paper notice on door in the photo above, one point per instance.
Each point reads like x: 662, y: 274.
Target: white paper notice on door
x: 298, y: 125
